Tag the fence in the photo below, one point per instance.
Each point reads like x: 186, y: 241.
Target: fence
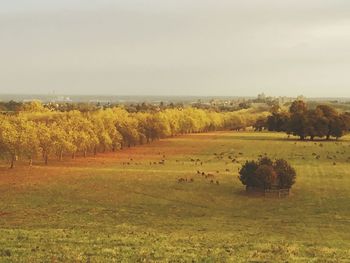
x: 273, y: 192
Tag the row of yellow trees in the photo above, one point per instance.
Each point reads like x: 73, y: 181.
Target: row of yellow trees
x: 37, y: 132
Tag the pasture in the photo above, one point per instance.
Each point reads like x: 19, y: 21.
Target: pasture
x: 129, y: 206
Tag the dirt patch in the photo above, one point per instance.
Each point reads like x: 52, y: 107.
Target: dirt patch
x: 3, y: 213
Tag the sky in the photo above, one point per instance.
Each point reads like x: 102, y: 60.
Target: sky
x: 179, y: 47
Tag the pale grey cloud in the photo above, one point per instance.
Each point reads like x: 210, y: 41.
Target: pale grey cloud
x: 179, y: 47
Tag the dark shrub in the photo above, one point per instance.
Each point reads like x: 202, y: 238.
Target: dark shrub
x: 266, y: 174
x: 265, y: 161
x: 285, y: 173
x: 247, y: 174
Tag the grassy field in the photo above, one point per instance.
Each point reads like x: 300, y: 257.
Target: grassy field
x: 112, y: 208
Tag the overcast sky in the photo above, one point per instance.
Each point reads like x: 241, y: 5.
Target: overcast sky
x: 179, y: 47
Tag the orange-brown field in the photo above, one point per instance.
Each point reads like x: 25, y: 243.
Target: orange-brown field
x: 125, y: 206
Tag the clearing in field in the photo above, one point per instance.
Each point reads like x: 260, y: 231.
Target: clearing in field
x: 130, y: 206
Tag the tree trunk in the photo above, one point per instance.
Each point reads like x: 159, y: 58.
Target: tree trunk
x: 13, y: 159
x: 61, y: 155
x: 46, y: 159
x: 84, y: 153
x: 95, y: 150
x: 30, y: 161
x: 73, y: 155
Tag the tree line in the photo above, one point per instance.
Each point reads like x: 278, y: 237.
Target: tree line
x: 322, y: 122
x: 38, y: 132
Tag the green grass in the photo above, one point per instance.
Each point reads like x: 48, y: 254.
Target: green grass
x: 100, y: 210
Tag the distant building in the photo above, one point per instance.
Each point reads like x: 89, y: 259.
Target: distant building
x: 261, y: 96
x: 301, y: 97
x: 61, y: 99
x: 30, y: 100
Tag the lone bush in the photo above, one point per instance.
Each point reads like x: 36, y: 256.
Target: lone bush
x: 267, y: 174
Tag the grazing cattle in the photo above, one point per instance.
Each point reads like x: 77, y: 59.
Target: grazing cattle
x: 211, y: 181
x: 183, y: 180
x: 217, y: 182
x: 227, y: 170
x: 209, y: 176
